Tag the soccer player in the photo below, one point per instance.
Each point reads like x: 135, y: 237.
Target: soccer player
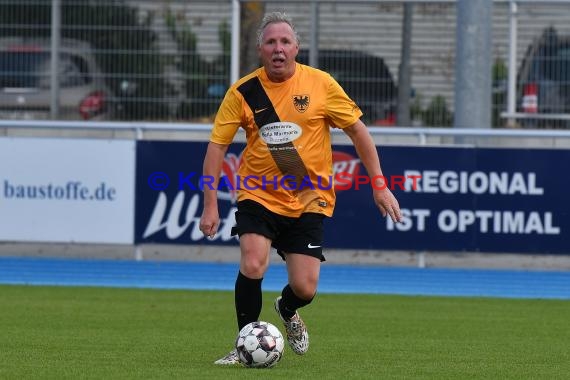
x: 286, y: 110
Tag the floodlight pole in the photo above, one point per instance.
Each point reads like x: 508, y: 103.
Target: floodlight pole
x: 473, y: 64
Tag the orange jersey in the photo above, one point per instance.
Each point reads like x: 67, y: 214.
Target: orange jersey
x: 288, y: 157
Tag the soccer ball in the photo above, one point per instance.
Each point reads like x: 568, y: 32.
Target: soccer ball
x: 260, y: 345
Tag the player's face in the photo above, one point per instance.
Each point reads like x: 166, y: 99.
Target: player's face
x: 278, y: 50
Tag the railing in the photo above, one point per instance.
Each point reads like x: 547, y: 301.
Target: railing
x: 421, y: 133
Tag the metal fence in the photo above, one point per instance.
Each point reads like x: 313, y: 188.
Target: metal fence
x: 171, y: 60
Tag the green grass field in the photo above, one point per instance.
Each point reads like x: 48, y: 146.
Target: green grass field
x: 107, y: 333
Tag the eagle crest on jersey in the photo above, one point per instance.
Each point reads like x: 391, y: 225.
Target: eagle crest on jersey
x: 301, y: 102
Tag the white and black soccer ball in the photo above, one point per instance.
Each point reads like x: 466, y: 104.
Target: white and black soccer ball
x: 260, y: 345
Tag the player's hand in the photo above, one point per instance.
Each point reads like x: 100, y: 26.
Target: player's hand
x: 209, y: 222
x: 388, y: 204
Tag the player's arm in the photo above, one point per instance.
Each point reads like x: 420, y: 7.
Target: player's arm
x: 368, y: 155
x: 226, y: 124
x: 213, y: 162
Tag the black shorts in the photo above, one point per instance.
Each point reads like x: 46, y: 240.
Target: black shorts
x: 288, y: 235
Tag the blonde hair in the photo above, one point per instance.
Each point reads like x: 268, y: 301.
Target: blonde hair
x: 272, y: 18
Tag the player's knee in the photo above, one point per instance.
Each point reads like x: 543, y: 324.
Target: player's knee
x: 305, y: 291
x: 253, y: 266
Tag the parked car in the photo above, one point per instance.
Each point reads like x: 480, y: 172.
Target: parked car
x: 365, y: 78
x: 544, y: 80
x: 25, y: 85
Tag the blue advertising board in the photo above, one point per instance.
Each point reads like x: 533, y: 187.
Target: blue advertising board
x: 169, y: 202
x: 453, y: 199
x: 463, y: 199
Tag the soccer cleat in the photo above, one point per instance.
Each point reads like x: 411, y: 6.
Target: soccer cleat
x: 229, y: 359
x: 297, y: 334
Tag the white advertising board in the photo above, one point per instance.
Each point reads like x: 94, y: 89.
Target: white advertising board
x: 67, y: 190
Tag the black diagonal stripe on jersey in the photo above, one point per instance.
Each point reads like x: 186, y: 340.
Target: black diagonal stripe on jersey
x: 285, y: 155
